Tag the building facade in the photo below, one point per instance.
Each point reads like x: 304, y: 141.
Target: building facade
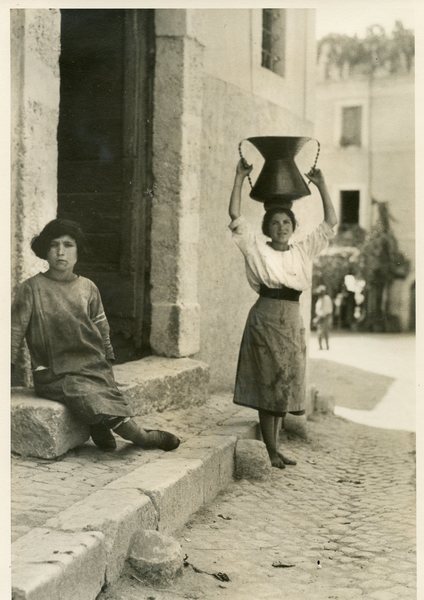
x: 366, y: 127
x: 129, y: 121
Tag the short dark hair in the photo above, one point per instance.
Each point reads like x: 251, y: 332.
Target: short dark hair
x: 273, y: 211
x: 40, y: 244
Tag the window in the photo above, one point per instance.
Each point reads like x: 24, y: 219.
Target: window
x: 351, y: 126
x: 349, y: 209
x: 273, y: 40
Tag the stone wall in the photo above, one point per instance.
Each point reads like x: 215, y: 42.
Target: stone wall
x: 35, y: 47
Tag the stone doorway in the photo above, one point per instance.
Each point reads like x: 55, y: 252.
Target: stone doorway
x: 104, y: 165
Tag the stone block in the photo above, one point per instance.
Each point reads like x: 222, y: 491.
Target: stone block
x: 155, y: 557
x: 296, y: 425
x: 324, y: 404
x: 117, y: 514
x: 157, y: 383
x: 252, y: 460
x: 310, y: 400
x: 48, y: 565
x: 216, y: 452
x: 242, y: 425
x: 43, y: 428
x: 175, y: 328
x: 174, y: 485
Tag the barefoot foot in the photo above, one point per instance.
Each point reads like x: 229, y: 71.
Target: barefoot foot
x: 277, y: 462
x: 286, y: 460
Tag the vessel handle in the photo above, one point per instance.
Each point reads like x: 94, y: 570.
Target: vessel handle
x: 245, y: 163
x: 316, y: 158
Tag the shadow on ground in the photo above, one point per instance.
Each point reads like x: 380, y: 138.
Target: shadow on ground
x: 366, y: 389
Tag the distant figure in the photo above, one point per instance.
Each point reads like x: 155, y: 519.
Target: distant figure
x: 338, y: 301
x: 323, y: 316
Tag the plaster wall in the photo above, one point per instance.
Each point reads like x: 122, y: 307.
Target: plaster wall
x: 383, y: 167
x: 35, y: 47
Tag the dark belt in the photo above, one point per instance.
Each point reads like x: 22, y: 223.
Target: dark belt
x: 283, y: 293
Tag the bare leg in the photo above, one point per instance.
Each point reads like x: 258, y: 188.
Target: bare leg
x: 285, y: 459
x: 277, y: 427
x: 267, y: 423
x: 147, y: 438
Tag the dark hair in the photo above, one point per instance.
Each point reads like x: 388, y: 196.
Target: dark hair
x: 40, y: 244
x: 273, y: 211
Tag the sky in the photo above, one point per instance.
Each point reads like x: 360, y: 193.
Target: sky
x: 350, y: 18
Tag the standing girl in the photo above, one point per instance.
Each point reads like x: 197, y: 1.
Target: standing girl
x: 62, y: 318
x: 271, y: 366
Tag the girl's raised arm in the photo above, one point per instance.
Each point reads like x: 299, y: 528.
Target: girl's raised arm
x: 316, y: 176
x: 242, y: 171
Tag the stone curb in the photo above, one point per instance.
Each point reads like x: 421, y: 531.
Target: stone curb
x: 89, y: 542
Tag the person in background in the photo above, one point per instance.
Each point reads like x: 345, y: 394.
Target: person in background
x: 62, y: 318
x: 323, y: 316
x: 271, y: 367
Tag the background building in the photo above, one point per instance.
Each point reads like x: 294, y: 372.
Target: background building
x: 129, y: 121
x: 365, y: 122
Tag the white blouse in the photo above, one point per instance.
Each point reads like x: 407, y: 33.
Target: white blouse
x: 274, y: 268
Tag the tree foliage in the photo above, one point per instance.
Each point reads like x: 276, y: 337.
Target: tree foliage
x: 377, y: 51
x: 380, y: 260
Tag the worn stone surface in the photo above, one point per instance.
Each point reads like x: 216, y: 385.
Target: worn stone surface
x: 118, y: 514
x: 174, y: 485
x: 43, y: 428
x: 48, y: 565
x: 159, y: 383
x: 216, y: 452
x: 155, y: 557
x: 252, y: 460
x: 178, y: 96
x: 35, y: 39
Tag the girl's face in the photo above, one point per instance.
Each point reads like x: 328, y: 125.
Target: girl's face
x: 280, y: 228
x: 62, y: 254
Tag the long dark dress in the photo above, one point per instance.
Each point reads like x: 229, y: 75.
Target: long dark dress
x: 68, y: 338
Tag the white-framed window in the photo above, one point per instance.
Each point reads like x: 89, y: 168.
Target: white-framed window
x: 351, y: 128
x: 274, y: 40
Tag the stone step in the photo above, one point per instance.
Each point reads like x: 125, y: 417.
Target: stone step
x: 47, y: 429
x: 91, y: 541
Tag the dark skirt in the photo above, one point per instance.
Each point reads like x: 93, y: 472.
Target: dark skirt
x: 272, y: 359
x: 90, y: 396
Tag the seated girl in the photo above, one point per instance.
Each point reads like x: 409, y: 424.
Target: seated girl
x: 61, y: 316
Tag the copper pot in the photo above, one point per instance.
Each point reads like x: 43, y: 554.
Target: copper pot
x: 280, y: 181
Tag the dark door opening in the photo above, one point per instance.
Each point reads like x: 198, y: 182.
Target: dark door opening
x: 104, y: 166
x: 349, y: 209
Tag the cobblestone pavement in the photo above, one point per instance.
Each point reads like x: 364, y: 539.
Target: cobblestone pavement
x: 349, y: 504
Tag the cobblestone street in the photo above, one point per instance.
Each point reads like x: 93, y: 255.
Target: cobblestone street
x: 349, y: 504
